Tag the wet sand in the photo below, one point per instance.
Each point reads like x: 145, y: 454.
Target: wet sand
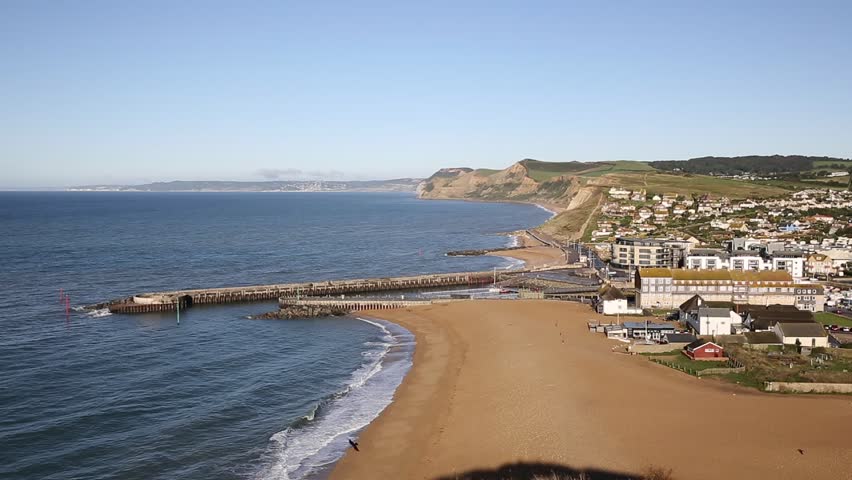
x: 493, y: 383
x: 534, y: 256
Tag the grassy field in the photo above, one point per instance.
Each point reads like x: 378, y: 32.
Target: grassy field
x: 543, y: 171
x: 826, y: 164
x: 654, y: 182
x: 827, y: 318
x: 619, y: 166
x: 485, y: 172
x: 681, y: 360
x: 768, y: 366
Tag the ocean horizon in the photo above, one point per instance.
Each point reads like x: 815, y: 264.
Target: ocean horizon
x: 96, y: 396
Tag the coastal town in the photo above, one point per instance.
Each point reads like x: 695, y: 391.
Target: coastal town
x: 733, y: 283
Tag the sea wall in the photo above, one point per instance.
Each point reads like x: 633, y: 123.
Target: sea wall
x: 804, y: 387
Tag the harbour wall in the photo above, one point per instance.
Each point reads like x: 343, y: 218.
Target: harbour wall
x: 171, y: 300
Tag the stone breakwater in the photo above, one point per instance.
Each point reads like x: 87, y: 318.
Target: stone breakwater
x: 301, y: 311
x: 169, y: 301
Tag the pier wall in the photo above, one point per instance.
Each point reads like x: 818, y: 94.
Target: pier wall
x: 168, y: 301
x: 351, y: 305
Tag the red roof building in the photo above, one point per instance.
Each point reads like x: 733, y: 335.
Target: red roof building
x: 704, y: 350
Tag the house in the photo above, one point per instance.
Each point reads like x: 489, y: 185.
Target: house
x: 805, y: 334
x: 714, y: 321
x: 611, y: 301
x: 654, y: 331
x: 702, y: 349
x: 819, y: 264
x: 762, y: 340
x: 764, y: 319
x: 617, y: 332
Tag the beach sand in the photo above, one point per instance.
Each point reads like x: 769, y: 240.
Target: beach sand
x: 534, y: 256
x: 494, y: 384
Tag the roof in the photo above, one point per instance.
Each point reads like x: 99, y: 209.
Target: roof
x: 730, y: 339
x: 705, y: 312
x: 609, y: 292
x: 681, y: 274
x: 693, y: 303
x: 734, y: 275
x: 651, y: 326
x: 715, y: 304
x: 762, y: 338
x: 700, y: 343
x: 708, y: 252
x: 679, y: 337
x: 762, y: 320
x: 655, y: 272
x: 775, y: 307
x: 745, y: 253
x: 818, y: 257
x: 762, y: 276
x: 811, y: 329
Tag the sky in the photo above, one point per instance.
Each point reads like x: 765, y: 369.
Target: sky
x: 121, y: 92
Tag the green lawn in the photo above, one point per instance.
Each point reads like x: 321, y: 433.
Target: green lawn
x: 685, y: 362
x: 622, y: 166
x: 544, y: 171
x: 655, y: 182
x: 826, y: 318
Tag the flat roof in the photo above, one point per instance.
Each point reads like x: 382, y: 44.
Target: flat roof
x: 734, y: 275
x: 651, y: 326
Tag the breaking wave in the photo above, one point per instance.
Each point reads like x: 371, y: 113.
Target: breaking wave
x: 320, y: 438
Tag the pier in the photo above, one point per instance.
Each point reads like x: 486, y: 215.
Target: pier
x: 351, y: 305
x: 169, y: 301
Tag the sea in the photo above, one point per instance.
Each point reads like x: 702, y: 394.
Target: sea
x: 91, y: 395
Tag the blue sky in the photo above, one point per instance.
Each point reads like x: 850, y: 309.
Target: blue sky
x: 127, y: 92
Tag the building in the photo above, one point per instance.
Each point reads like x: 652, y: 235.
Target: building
x: 806, y: 334
x: 709, y: 318
x: 654, y: 331
x: 617, y: 332
x: 611, y: 301
x: 792, y: 261
x: 841, y: 259
x: 819, y: 264
x: 649, y: 252
x: 668, y: 288
x: 764, y: 319
x: 674, y: 338
x: 715, y: 321
x: 702, y: 349
x: 762, y: 340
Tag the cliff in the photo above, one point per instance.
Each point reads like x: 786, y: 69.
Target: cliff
x: 576, y: 190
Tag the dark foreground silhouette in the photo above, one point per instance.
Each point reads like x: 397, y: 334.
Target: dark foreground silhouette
x: 548, y: 471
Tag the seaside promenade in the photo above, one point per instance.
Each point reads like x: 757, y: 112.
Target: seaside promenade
x: 499, y: 384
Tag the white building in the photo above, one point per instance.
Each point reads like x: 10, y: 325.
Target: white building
x: 715, y: 321
x: 810, y: 334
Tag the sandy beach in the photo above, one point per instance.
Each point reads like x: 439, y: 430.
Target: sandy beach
x: 536, y: 254
x: 498, y: 383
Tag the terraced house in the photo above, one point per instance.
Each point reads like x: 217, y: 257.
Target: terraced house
x: 671, y: 287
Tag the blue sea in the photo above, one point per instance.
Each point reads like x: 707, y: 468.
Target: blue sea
x: 217, y: 396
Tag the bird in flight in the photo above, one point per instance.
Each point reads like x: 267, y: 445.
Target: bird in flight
x: 801, y: 451
x: 354, y: 445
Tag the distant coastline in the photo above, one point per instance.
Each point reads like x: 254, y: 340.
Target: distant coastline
x: 272, y: 186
